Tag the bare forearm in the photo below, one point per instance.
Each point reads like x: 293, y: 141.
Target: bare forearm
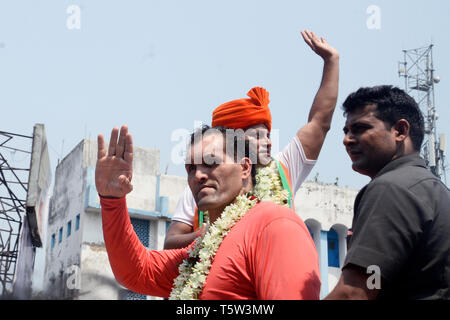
x: 352, y: 285
x: 174, y: 241
x: 313, y: 134
x: 325, y: 100
x: 348, y: 293
x: 340, y: 293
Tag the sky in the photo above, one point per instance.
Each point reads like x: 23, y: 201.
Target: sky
x: 160, y: 67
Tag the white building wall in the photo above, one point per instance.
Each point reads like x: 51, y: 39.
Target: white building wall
x: 66, y: 204
x: 328, y: 204
x: 96, y: 277
x: 170, y: 186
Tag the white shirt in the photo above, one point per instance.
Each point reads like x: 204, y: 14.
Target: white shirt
x: 294, y: 159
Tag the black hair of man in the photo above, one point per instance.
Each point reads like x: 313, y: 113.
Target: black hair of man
x: 241, y: 145
x: 392, y: 104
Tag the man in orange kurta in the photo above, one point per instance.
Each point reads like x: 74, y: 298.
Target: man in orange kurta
x: 268, y: 254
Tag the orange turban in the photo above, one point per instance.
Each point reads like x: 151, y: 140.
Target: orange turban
x: 243, y: 113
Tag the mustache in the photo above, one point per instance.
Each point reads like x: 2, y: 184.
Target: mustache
x: 201, y: 186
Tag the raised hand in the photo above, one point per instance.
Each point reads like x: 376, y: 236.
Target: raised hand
x: 113, y: 171
x: 319, y: 46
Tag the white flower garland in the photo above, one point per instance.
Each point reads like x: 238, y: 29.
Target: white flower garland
x: 268, y: 185
x: 194, y: 269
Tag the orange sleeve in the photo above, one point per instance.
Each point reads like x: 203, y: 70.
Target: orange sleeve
x: 286, y: 263
x: 143, y: 271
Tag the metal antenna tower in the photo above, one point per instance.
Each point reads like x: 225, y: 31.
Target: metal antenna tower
x: 418, y: 71
x: 13, y: 193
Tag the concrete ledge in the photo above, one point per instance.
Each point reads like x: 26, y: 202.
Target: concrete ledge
x: 92, y: 205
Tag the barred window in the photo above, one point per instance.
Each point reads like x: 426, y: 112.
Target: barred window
x: 142, y: 229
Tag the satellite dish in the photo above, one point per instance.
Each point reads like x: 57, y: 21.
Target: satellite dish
x: 436, y: 79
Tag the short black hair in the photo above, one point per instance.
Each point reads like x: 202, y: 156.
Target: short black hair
x: 392, y: 105
x: 242, y: 148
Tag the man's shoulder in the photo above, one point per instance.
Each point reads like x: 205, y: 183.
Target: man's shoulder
x: 267, y: 206
x: 404, y: 182
x: 410, y: 185
x: 409, y: 178
x: 266, y: 212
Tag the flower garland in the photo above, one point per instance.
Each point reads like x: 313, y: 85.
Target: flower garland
x: 194, y: 269
x: 268, y: 185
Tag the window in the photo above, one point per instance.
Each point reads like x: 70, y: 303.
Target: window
x: 333, y: 248
x: 77, y: 222
x: 60, y: 235
x: 53, y: 240
x: 142, y: 229
x: 69, y: 228
x: 130, y: 295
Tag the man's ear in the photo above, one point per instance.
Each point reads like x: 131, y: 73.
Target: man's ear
x: 246, y: 165
x: 401, y: 128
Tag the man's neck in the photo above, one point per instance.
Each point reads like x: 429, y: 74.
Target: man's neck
x: 214, y: 214
x: 394, y: 158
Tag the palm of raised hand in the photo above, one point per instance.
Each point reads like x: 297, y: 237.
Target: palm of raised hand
x: 319, y: 45
x: 114, y: 170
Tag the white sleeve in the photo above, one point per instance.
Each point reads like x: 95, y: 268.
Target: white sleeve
x: 185, y: 208
x: 294, y: 158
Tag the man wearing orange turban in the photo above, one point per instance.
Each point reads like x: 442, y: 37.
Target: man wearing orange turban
x: 253, y: 115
